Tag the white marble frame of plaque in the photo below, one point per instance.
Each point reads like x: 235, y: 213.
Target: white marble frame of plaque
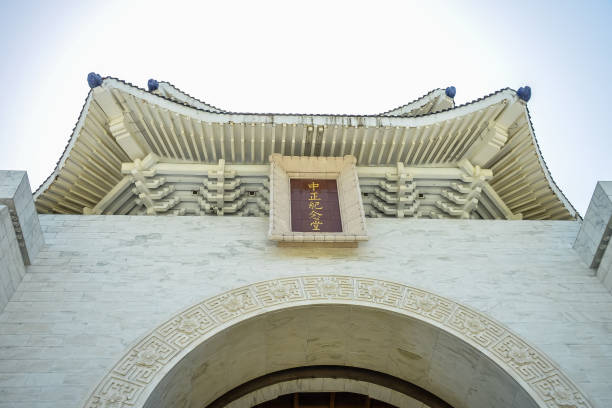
x: 343, y: 170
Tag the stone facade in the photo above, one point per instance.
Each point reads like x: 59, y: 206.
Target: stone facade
x: 101, y: 283
x: 450, y: 295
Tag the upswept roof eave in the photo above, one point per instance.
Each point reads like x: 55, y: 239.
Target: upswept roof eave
x: 551, y: 182
x: 192, y: 101
x: 367, y: 120
x: 111, y: 82
x: 198, y: 103
x: 418, y: 102
x: 71, y: 141
x: 415, y: 104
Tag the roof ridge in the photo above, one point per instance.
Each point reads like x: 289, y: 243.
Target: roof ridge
x: 412, y: 102
x: 127, y: 83
x: 302, y: 114
x: 177, y: 89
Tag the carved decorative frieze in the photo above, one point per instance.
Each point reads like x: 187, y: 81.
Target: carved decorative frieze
x: 144, y: 365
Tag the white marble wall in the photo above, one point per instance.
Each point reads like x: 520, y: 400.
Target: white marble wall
x: 100, y: 282
x: 604, y: 271
x: 11, y: 263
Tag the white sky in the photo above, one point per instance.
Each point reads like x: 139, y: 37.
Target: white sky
x: 314, y: 57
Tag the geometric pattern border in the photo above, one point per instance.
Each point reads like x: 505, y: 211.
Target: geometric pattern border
x: 141, y: 366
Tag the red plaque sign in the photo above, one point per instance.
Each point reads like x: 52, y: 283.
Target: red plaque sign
x: 315, y: 206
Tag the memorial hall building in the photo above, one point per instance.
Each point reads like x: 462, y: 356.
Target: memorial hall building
x: 182, y: 255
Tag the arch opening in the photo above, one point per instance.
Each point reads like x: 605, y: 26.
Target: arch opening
x: 327, y: 380
x: 450, y: 351
x: 362, y: 337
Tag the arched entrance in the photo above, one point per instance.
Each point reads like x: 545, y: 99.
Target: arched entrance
x: 445, y: 349
x: 327, y: 384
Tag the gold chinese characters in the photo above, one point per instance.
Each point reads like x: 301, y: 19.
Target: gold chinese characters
x: 316, y: 209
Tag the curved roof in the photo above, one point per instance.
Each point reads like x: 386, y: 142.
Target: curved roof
x: 179, y: 128
x: 432, y: 102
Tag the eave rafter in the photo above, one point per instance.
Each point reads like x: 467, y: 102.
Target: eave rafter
x: 122, y: 126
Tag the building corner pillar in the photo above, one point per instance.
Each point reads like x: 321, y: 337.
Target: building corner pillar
x: 16, y: 195
x: 593, y: 243
x: 21, y: 237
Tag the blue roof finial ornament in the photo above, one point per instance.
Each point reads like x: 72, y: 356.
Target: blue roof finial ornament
x: 94, y: 80
x: 524, y: 93
x: 153, y: 85
x: 451, y: 91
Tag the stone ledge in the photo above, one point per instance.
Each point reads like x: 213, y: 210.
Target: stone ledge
x: 320, y: 244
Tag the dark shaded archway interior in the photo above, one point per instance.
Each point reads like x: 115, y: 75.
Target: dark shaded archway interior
x: 328, y: 371
x: 324, y: 400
